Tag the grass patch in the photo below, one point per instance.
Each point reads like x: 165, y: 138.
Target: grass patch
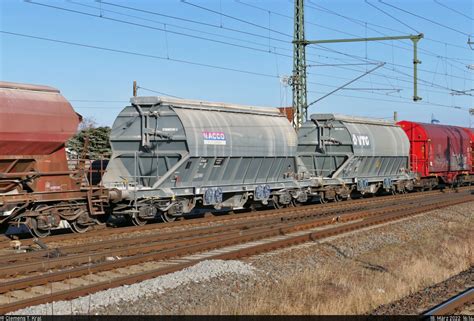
x: 357, y: 284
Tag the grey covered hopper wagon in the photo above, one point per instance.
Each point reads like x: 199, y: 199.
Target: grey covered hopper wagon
x: 354, y: 154
x: 171, y: 155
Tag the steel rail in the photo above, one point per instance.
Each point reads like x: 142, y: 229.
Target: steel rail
x: 142, y: 245
x: 11, y: 258
x: 297, y: 213
x: 100, y: 232
x: 146, y: 256
x: 451, y: 305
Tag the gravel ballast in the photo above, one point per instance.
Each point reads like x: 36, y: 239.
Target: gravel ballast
x: 201, y: 272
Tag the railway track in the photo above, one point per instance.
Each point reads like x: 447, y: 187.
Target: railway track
x: 452, y: 305
x: 226, y: 223
x: 118, y: 232
x: 35, y: 278
x: 236, y: 223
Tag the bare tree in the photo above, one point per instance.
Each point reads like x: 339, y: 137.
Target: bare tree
x: 88, y: 123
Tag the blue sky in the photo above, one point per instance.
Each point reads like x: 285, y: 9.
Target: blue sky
x: 251, y: 37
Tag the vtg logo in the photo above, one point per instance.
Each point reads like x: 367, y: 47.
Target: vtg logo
x: 360, y: 140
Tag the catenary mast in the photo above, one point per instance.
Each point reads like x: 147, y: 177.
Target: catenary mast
x: 300, y: 102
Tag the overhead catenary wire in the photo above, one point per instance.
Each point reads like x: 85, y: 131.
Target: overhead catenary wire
x: 235, y: 18
x: 192, y: 21
x: 177, y: 26
x: 325, y: 27
x: 315, y: 24
x: 352, y: 56
x: 360, y: 58
x: 273, y: 76
x: 158, y: 92
x: 380, y: 83
x: 147, y: 55
x: 365, y: 23
x: 346, y: 84
x: 165, y: 30
x: 424, y: 18
x: 248, y: 72
x: 245, y: 47
x: 98, y: 107
x: 453, y: 10
x: 97, y: 101
x: 391, y: 16
x: 211, y: 25
x: 342, y: 64
x: 343, y: 32
x: 370, y: 89
x: 421, y: 80
x: 388, y: 63
x: 406, y: 100
x: 362, y: 22
x: 144, y: 26
x: 175, y: 60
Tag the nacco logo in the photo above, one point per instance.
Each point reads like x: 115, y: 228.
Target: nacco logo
x: 214, y: 138
x: 360, y: 140
x: 213, y: 135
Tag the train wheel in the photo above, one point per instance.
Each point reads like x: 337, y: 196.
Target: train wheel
x: 337, y: 198
x: 167, y: 217
x: 136, y: 220
x: 276, y: 203
x: 35, y: 230
x: 322, y: 200
x: 78, y: 227
x: 296, y: 203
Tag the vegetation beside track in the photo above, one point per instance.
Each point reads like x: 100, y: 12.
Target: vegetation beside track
x: 351, y: 274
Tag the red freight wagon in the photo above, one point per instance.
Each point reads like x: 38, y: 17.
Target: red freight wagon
x: 470, y: 132
x: 439, y: 153
x: 35, y: 123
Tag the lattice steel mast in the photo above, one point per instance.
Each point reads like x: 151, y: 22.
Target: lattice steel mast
x: 298, y: 81
x: 299, y: 78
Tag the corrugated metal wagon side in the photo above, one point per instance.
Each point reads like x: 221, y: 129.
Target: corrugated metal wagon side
x: 470, y: 132
x: 170, y: 156
x: 354, y: 155
x: 439, y: 153
x: 37, y: 188
x: 35, y: 123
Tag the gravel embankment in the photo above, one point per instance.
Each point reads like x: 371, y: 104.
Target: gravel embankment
x: 197, y: 274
